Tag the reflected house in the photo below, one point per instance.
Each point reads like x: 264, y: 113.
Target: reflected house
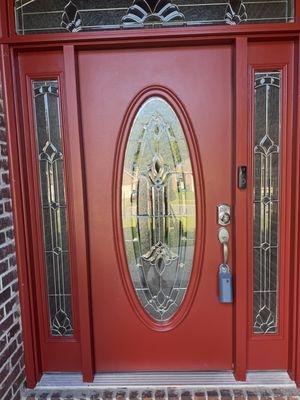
x: 159, y: 209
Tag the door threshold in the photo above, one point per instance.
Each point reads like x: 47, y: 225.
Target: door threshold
x: 211, y: 379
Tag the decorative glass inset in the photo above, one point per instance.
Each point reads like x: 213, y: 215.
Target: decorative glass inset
x: 71, y: 20
x: 145, y: 11
x: 53, y: 198
x: 37, y: 16
x: 158, y: 209
x: 267, y: 127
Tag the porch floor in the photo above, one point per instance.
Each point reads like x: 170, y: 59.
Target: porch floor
x: 165, y: 386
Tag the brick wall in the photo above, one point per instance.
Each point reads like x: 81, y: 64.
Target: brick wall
x: 11, y: 348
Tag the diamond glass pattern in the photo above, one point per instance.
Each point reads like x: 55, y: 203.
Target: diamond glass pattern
x: 158, y: 209
x: 267, y: 92
x: 52, y: 184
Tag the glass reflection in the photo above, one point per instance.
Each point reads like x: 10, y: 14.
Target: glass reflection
x: 266, y: 200
x: 158, y: 209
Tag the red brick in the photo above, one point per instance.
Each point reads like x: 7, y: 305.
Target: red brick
x: 7, y: 206
x: 9, y: 380
x: 8, y: 395
x: 12, y: 260
x: 2, y: 135
x: 5, y: 178
x: 2, y: 238
x: 9, y: 278
x: 3, y: 165
x: 10, y: 234
x: 6, y: 250
x: 5, y: 295
x: 3, y: 267
x: 9, y: 305
x: 4, y: 192
x: 14, y: 329
x: 5, y: 222
x: 4, y: 150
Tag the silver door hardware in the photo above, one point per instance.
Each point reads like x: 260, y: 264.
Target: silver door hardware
x: 223, y: 213
x: 224, y: 274
x: 224, y: 239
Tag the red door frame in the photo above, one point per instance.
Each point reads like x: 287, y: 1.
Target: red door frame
x: 68, y: 43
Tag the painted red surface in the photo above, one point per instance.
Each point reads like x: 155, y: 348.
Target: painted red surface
x: 201, y: 80
x: 111, y: 69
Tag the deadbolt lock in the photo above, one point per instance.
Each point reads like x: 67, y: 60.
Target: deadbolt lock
x: 223, y: 214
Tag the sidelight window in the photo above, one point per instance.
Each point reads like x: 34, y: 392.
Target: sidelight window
x: 266, y: 200
x: 53, y: 205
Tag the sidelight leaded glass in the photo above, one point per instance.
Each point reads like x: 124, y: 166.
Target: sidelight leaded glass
x: 54, y: 211
x: 158, y: 209
x: 267, y: 115
x: 38, y: 16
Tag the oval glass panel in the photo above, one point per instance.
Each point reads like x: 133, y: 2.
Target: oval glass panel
x: 158, y: 209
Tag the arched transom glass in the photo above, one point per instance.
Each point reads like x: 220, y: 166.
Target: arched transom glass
x: 158, y: 209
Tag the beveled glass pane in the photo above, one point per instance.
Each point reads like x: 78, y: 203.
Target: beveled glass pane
x: 158, y: 209
x: 36, y: 16
x: 54, y: 211
x: 266, y: 192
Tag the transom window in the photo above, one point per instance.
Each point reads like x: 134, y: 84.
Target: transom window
x: 40, y: 16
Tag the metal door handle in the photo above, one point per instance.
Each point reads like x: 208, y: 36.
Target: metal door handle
x: 224, y: 238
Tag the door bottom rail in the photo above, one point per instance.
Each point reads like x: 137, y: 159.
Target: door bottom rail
x: 166, y: 386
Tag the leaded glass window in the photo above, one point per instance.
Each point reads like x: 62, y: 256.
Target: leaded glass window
x: 53, y: 205
x: 38, y: 16
x: 266, y: 192
x: 158, y: 209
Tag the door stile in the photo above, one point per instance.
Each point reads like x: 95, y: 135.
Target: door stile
x: 79, y: 215
x: 26, y: 292
x: 240, y: 151
x: 294, y: 365
x: 3, y: 21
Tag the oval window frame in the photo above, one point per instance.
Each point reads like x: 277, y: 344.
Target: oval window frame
x: 192, y: 144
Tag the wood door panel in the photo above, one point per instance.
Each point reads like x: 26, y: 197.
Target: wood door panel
x: 109, y: 81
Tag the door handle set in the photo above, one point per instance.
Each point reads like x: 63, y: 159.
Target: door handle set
x: 224, y: 273
x: 224, y: 239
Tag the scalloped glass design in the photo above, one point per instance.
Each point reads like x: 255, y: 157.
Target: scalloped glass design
x: 52, y: 16
x: 158, y: 209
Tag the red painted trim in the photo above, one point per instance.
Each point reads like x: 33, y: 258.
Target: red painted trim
x: 79, y: 234
x: 10, y: 7
x: 153, y: 34
x: 26, y: 288
x: 240, y: 205
x: 148, y: 34
x: 294, y: 361
x: 55, y: 351
x: 4, y: 34
x: 188, y: 130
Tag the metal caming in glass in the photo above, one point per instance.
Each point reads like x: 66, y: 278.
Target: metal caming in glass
x: 267, y: 126
x: 53, y: 198
x: 40, y: 16
x: 158, y: 209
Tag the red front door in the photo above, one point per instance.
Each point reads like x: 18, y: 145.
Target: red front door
x: 189, y: 91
